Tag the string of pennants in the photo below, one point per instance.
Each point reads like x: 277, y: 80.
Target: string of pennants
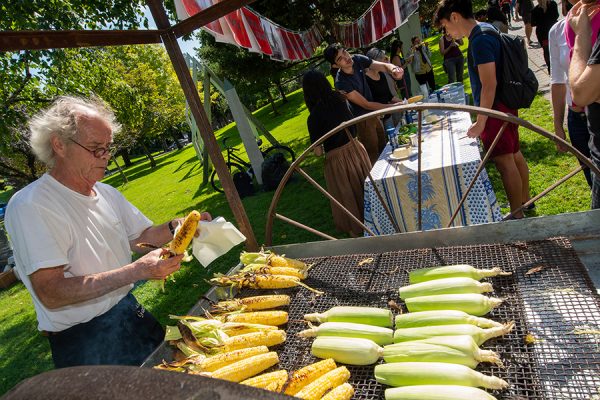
x: 247, y: 29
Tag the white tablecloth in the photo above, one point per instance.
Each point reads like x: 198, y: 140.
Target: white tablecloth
x: 448, y: 167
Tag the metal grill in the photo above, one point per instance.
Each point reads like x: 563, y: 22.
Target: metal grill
x: 557, y: 306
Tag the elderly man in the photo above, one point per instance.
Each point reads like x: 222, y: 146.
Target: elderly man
x: 72, y: 238
x: 584, y: 79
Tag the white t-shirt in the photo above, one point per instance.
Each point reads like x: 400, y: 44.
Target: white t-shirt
x: 559, y: 57
x: 51, y: 225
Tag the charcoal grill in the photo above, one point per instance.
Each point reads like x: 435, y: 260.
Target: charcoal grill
x: 558, y: 306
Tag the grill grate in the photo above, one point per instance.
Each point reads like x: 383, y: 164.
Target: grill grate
x: 557, y: 305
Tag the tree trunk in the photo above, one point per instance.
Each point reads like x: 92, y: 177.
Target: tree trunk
x: 125, y: 156
x: 149, y: 155
x: 272, y: 102
x: 281, y: 91
x: 164, y: 144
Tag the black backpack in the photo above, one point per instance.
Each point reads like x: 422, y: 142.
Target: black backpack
x: 517, y: 84
x: 243, y: 183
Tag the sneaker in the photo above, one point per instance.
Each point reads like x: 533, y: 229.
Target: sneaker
x: 530, y: 207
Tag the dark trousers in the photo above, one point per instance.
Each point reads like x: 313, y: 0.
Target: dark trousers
x: 428, y: 79
x: 125, y: 335
x: 595, y: 187
x: 454, y: 68
x: 580, y: 136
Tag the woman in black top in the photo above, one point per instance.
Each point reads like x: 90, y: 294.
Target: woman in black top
x: 397, y: 58
x: 382, y: 85
x: 543, y: 16
x: 346, y: 163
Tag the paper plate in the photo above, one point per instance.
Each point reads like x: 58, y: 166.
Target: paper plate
x: 412, y: 153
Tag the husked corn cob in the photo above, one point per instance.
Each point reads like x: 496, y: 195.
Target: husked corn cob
x: 345, y: 391
x: 254, y: 303
x: 272, y: 259
x: 479, y: 335
x: 447, y: 349
x: 260, y: 281
x: 235, y: 328
x: 441, y: 317
x: 244, y: 369
x: 185, y: 234
x: 453, y: 271
x: 274, y: 317
x: 265, y: 338
x: 359, y: 315
x: 474, y: 304
x: 444, y: 286
x: 272, y: 381
x: 352, y: 351
x: 377, y: 334
x: 430, y: 373
x: 266, y: 269
x: 437, y: 392
x: 316, y: 389
x: 217, y: 361
x: 308, y: 374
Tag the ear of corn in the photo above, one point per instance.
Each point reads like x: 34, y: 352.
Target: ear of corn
x: 246, y: 368
x: 474, y: 304
x: 377, y: 334
x: 444, y: 286
x: 447, y: 349
x: 437, y: 392
x: 273, y: 317
x: 236, y: 328
x: 217, y: 361
x: 479, y: 335
x: 359, y: 315
x: 185, y: 234
x: 254, y: 303
x: 321, y: 385
x: 453, y: 271
x: 430, y: 373
x: 266, y: 269
x: 308, y: 374
x: 279, y: 261
x: 351, y: 351
x: 442, y: 317
x: 272, y: 381
x: 264, y: 338
x: 343, y: 392
x: 260, y: 281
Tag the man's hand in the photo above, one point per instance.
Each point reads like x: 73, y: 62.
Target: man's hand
x: 152, y: 266
x: 560, y: 132
x: 476, y: 129
x: 580, y: 20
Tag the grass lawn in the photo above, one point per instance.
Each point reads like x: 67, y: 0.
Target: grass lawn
x: 175, y: 187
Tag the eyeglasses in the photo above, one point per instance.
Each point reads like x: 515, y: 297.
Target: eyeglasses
x: 98, y: 152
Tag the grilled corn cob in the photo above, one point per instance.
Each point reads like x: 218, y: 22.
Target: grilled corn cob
x: 444, y: 286
x: 430, y: 373
x: 272, y: 259
x: 275, y: 317
x: 447, y: 349
x: 377, y: 334
x: 217, y: 361
x: 474, y: 304
x: 260, y: 281
x: 272, y: 381
x: 479, y: 335
x: 308, y: 374
x: 254, y: 303
x: 343, y: 392
x: 185, y: 234
x: 441, y: 317
x: 265, y: 338
x: 352, y: 351
x: 453, y: 271
x: 437, y: 392
x: 244, y: 369
x: 358, y: 315
x: 266, y: 269
x: 235, y: 328
x: 316, y: 389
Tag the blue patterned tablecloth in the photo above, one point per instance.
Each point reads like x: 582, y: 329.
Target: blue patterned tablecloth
x: 449, y: 163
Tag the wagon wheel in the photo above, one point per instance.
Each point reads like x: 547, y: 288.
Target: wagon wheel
x: 507, y: 118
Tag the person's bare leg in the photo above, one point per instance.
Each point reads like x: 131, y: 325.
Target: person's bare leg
x: 528, y: 33
x: 511, y: 179
x: 524, y: 173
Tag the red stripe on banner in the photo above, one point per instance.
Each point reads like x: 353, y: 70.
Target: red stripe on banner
x: 193, y: 7
x: 290, y: 52
x: 389, y: 15
x: 377, y: 20
x: 300, y: 48
x: 368, y: 32
x: 236, y: 25
x: 355, y: 35
x: 256, y: 27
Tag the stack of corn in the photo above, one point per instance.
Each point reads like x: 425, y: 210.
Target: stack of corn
x: 233, y: 345
x: 436, y: 345
x: 266, y: 270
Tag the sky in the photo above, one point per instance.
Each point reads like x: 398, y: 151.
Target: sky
x: 186, y: 46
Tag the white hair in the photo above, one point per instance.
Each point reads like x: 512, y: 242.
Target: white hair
x: 61, y: 119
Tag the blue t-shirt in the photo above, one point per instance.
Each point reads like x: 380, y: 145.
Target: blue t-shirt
x: 483, y: 48
x: 355, y: 81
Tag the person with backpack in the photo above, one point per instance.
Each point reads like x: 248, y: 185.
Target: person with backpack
x: 485, y: 64
x: 347, y: 164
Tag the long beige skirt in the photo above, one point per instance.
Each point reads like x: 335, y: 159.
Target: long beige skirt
x: 345, y: 171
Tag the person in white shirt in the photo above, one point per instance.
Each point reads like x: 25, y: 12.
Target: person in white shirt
x: 73, y: 236
x: 561, y: 95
